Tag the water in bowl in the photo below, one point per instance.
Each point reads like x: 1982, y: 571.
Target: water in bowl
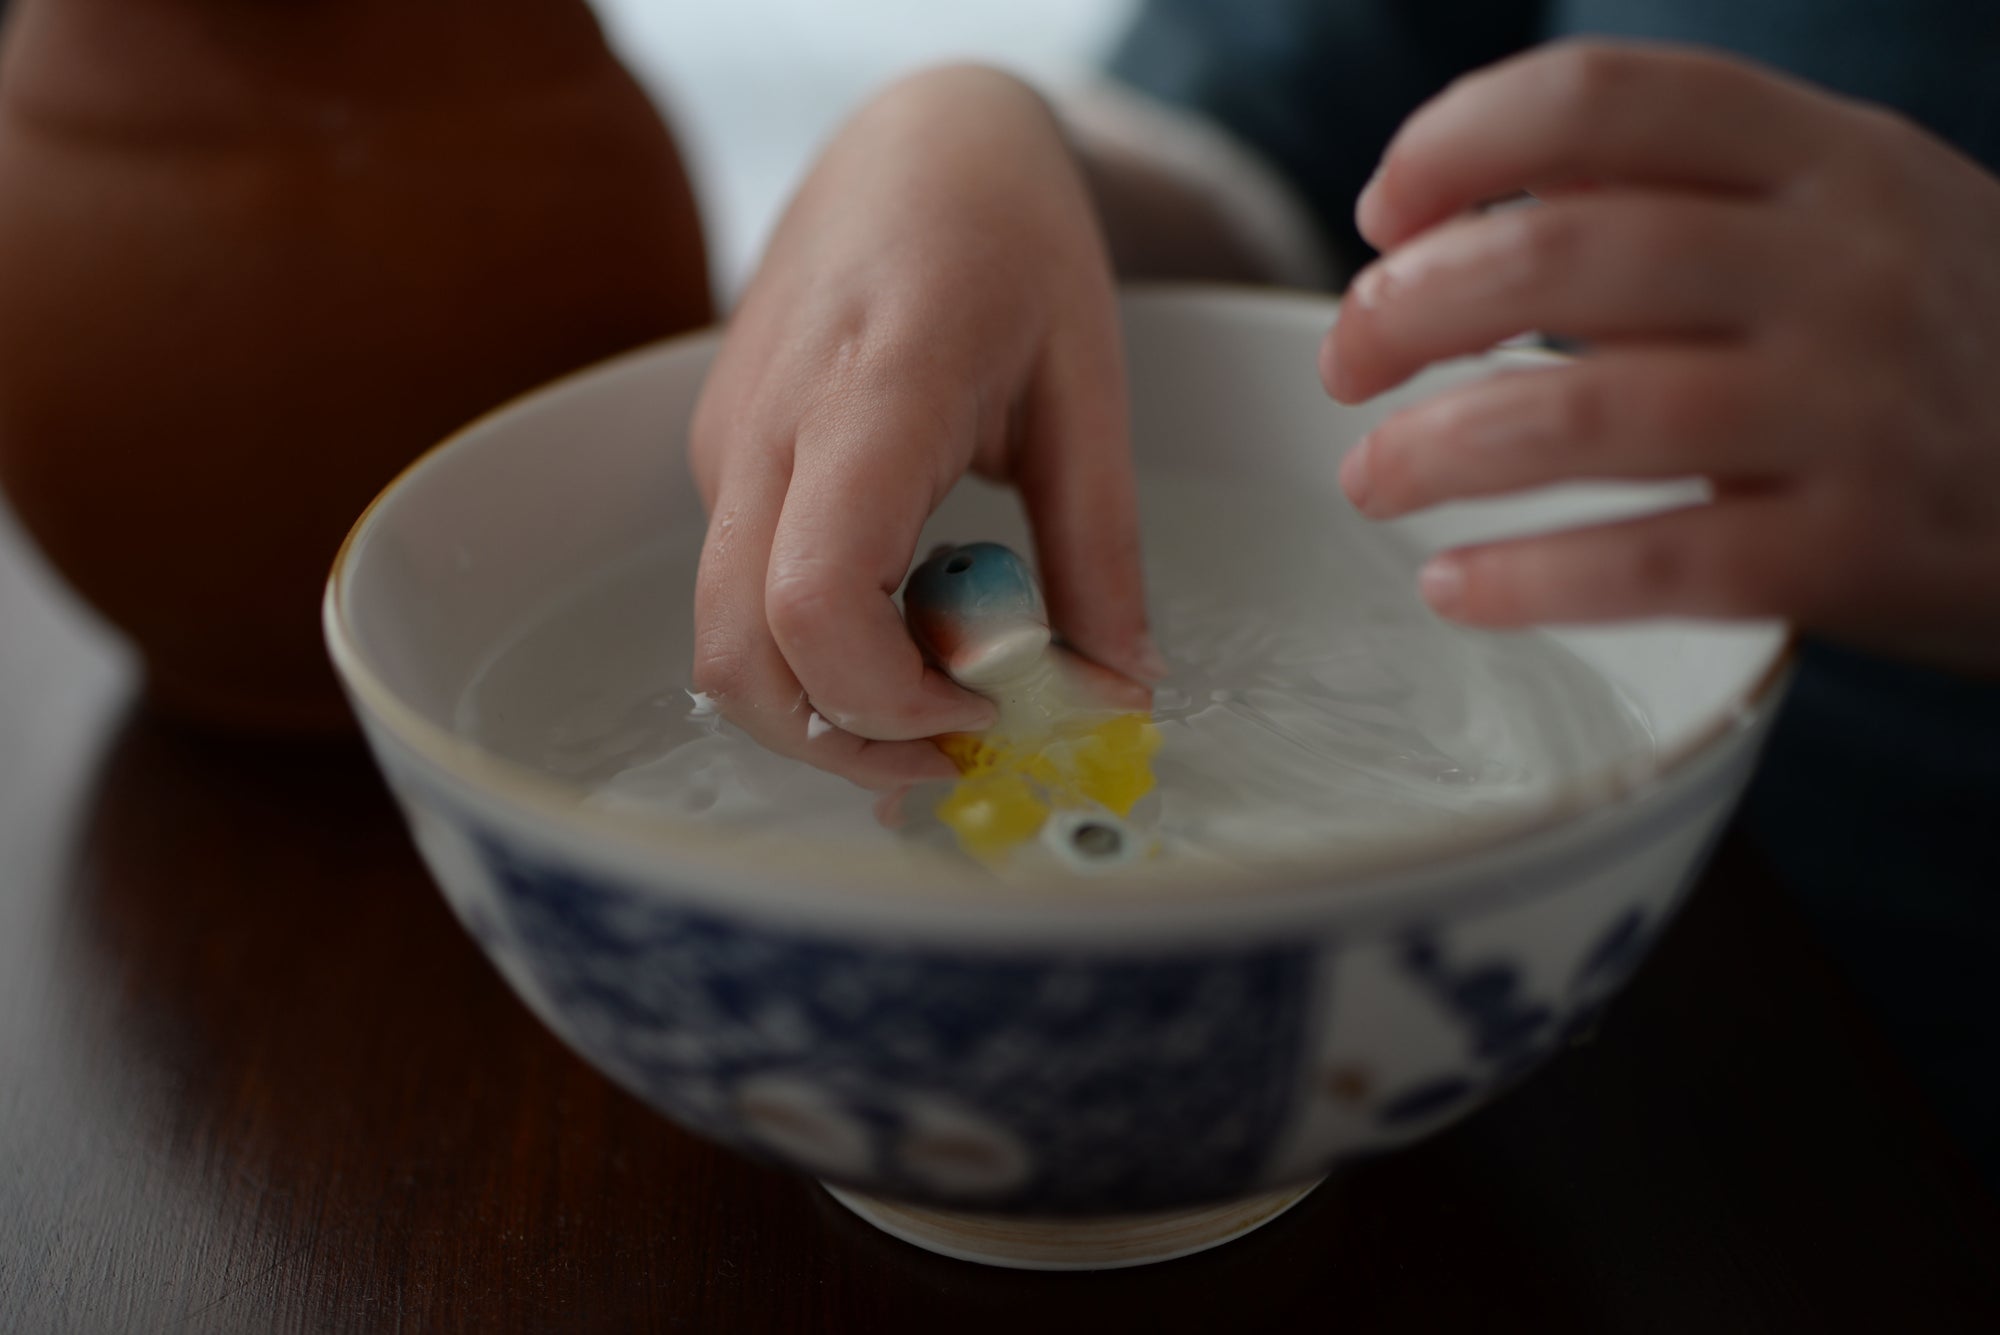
x: 1313, y: 699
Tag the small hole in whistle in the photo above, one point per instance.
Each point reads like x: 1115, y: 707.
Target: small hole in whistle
x: 958, y: 565
x: 1097, y: 841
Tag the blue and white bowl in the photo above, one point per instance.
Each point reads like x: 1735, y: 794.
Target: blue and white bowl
x: 951, y: 1059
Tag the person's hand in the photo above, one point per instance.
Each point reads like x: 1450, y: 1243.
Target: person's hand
x: 936, y: 299
x: 1794, y: 295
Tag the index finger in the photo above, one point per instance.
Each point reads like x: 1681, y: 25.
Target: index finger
x: 864, y: 480
x: 1651, y: 113
x: 739, y: 667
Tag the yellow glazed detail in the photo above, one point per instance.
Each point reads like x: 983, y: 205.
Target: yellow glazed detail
x: 1005, y: 792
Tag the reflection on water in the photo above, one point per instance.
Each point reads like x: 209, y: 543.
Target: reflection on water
x: 1314, y: 702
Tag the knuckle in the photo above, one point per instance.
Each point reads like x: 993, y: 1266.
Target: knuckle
x: 798, y: 604
x: 1879, y: 183
x: 1579, y: 414
x: 869, y: 353
x: 1656, y: 568
x: 1583, y: 76
x: 1892, y: 132
x: 1459, y: 83
x: 1865, y: 439
x: 1390, y: 477
x: 1539, y: 243
x: 1690, y: 243
x: 1785, y: 584
x: 1694, y: 405
x: 1826, y: 566
x: 1747, y: 580
x: 1881, y: 290
x: 1510, y: 587
x: 1745, y: 573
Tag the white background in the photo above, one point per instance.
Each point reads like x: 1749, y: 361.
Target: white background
x: 753, y: 86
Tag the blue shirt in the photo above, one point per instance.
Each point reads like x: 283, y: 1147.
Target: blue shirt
x: 1879, y: 799
x: 1319, y: 86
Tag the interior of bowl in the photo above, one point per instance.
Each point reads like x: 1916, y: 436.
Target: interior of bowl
x: 521, y: 508
x: 1228, y: 382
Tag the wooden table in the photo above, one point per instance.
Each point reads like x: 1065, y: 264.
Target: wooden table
x: 253, y: 1077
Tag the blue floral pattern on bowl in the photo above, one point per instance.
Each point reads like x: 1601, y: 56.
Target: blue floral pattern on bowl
x: 1056, y: 1084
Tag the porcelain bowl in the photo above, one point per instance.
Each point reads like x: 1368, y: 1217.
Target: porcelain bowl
x: 1187, y: 1041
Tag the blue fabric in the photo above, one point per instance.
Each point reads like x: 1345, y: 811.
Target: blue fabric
x: 1879, y: 800
x: 1319, y: 86
x: 1316, y: 86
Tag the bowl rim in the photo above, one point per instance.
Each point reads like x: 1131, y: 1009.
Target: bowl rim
x: 771, y: 874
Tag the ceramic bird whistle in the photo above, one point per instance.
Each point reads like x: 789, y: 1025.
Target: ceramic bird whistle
x: 976, y: 611
x: 1060, y: 774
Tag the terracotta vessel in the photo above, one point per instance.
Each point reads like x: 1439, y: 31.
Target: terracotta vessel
x: 255, y: 258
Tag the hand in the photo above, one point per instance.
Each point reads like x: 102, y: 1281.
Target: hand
x: 936, y: 299
x: 1794, y: 295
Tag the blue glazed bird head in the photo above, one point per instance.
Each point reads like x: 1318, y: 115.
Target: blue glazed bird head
x: 976, y: 611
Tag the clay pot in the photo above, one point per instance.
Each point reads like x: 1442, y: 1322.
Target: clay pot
x: 255, y: 258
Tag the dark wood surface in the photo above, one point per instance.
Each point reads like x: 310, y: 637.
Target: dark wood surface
x: 254, y: 1078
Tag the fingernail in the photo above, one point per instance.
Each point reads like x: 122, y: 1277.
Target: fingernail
x: 1442, y: 584
x: 1354, y: 474
x: 1368, y: 287
x: 1462, y: 253
x: 1330, y: 369
x: 1148, y: 662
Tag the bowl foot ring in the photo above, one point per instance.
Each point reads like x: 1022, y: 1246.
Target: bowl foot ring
x: 1110, y: 1242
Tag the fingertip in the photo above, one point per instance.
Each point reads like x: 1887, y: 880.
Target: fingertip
x: 917, y: 762
x: 890, y: 768
x: 1329, y: 364
x: 1098, y: 604
x: 1375, y: 212
x: 1124, y: 693
x: 1082, y: 502
x: 1442, y: 584
x: 1476, y: 587
x: 1149, y: 664
x: 1342, y: 360
x: 1133, y: 656
x: 1354, y: 473
x: 1369, y: 208
x: 1109, y: 686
